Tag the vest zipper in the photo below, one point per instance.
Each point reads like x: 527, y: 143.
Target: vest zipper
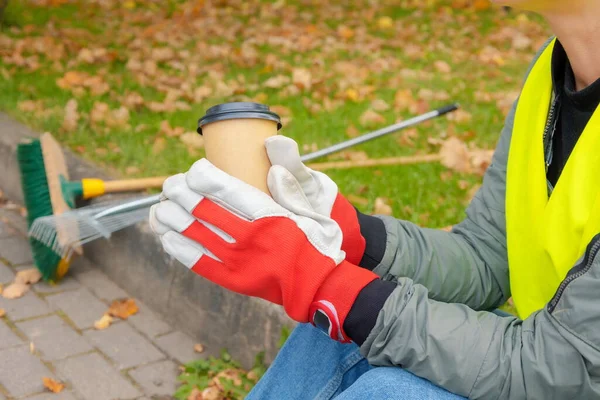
x: 577, y: 272
x: 549, y: 131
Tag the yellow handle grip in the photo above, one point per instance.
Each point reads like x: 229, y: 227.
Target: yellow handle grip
x: 97, y: 187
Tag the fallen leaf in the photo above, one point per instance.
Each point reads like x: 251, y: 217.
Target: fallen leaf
x: 381, y: 207
x: 358, y: 200
x: 99, y: 112
x: 352, y: 132
x: 385, y: 23
x: 192, y: 139
x: 403, y: 99
x: 71, y: 116
x: 132, y: 170
x: 118, y: 117
x: 344, y: 32
x: 53, y: 385
x: 15, y: 290
x: 481, y: 5
x: 198, y: 348
x: 123, y: 308
x: 460, y: 116
x: 371, y: 118
x: 442, y: 66
x: 31, y: 347
x: 159, y: 145
x: 455, y: 155
x: 302, y: 78
x: 2, y: 312
x: 210, y: 393
x: 480, y: 160
x: 352, y: 94
x: 252, y: 375
x: 29, y: 105
x: 446, y: 228
x: 379, y: 105
x: 28, y: 276
x: 276, y: 82
x: 195, y: 394
x: 283, y: 111
x: 103, y: 322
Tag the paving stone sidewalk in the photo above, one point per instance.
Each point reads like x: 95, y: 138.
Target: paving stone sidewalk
x: 134, y: 359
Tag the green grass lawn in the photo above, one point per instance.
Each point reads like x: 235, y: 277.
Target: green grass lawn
x: 199, y: 55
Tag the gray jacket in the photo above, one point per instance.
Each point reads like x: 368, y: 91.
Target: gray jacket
x: 429, y: 325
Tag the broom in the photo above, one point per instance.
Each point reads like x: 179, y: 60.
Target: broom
x: 47, y: 190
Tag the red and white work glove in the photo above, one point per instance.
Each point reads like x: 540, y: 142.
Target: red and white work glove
x: 321, y: 193
x: 240, y: 238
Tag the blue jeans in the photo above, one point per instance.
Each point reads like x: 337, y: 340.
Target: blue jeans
x: 312, y: 366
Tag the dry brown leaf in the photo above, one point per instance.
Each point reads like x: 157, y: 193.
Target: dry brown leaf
x: 480, y: 160
x: 133, y: 100
x: 403, y: 99
x: 2, y: 312
x: 29, y: 105
x: 201, y: 93
x: 371, y: 118
x: 302, y: 78
x: 192, y: 139
x: 455, y: 155
x: 103, y: 322
x: 28, y: 276
x: 123, y: 308
x: 382, y: 207
x: 72, y: 79
x: 352, y: 132
x: 71, y: 116
x: 132, y: 170
x: 277, y: 82
x: 385, y: 23
x: 358, y: 200
x: 118, y: 117
x: 210, y: 393
x: 380, y: 105
x: 195, y: 394
x: 460, y: 116
x: 344, y: 32
x: 283, y: 111
x: 165, y: 127
x: 198, y: 348
x: 15, y: 290
x: 160, y: 143
x: 53, y: 385
x: 99, y: 112
x: 31, y: 347
x: 442, y: 66
x: 446, y: 228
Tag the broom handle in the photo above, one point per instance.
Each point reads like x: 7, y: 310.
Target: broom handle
x: 130, y: 185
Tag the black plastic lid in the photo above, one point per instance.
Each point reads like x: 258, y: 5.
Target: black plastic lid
x: 238, y: 110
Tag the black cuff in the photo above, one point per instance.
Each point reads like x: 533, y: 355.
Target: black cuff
x: 373, y: 230
x: 363, y: 314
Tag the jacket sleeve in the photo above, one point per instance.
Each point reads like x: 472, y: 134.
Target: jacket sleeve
x: 553, y: 354
x: 468, y: 265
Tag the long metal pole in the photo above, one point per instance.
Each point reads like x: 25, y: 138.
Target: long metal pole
x: 149, y: 201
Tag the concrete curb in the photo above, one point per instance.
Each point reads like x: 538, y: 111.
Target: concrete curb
x: 134, y: 258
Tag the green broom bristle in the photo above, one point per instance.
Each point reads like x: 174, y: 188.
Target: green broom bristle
x: 37, y: 201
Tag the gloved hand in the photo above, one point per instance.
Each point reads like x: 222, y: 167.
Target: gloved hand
x: 240, y: 238
x: 321, y: 193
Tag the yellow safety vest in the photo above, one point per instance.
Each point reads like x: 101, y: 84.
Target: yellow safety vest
x: 546, y: 236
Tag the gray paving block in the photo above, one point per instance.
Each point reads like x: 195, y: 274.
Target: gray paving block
x: 80, y: 306
x: 94, y: 378
x: 101, y: 285
x: 157, y: 379
x: 15, y: 250
x: 179, y: 346
x: 124, y: 345
x: 15, y: 221
x: 21, y: 372
x: 6, y: 274
x: 25, y: 307
x: 64, y: 285
x: 6, y: 230
x: 7, y: 337
x: 148, y: 323
x: 54, y: 338
x: 64, y: 395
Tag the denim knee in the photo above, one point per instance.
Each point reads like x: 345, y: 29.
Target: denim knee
x: 394, y: 383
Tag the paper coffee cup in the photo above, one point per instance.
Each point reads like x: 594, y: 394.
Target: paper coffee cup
x: 234, y: 140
